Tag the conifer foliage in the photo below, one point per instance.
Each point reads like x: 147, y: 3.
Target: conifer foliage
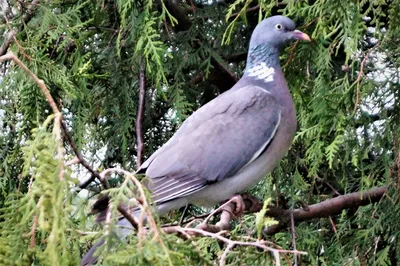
x: 89, y: 88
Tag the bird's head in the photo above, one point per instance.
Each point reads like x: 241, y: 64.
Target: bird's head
x: 276, y: 31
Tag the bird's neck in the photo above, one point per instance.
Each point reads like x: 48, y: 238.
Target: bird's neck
x: 262, y: 62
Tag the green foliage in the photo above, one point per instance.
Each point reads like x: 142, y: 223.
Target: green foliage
x: 345, y: 85
x: 39, y: 221
x: 262, y: 221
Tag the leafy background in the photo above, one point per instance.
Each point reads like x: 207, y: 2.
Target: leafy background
x: 345, y: 84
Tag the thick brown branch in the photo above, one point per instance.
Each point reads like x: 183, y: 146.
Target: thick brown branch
x: 326, y: 208
x: 139, y: 117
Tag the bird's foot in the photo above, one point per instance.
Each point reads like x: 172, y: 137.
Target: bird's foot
x: 239, y: 208
x: 252, y: 204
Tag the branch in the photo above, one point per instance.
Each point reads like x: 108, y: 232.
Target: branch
x: 232, y: 75
x: 374, y: 117
x: 11, y: 34
x: 324, y: 209
x: 235, y: 58
x: 58, y: 121
x: 123, y: 210
x: 248, y: 10
x: 361, y: 74
x: 11, y: 56
x: 139, y: 117
x: 82, y: 161
x: 262, y: 244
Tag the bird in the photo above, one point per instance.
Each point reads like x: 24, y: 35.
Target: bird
x: 232, y: 142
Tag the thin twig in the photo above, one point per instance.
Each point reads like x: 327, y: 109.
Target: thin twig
x: 361, y: 74
x: 33, y: 232
x: 293, y: 237
x: 108, y: 218
x: 143, y: 202
x: 125, y: 212
x: 248, y: 10
x: 10, y: 56
x: 332, y: 224
x: 223, y: 257
x: 226, y: 69
x: 232, y: 243
x: 39, y: 82
x: 139, y: 117
x: 60, y: 147
x: 11, y: 34
x: 82, y: 161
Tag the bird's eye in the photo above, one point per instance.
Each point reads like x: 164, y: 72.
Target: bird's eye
x: 278, y: 27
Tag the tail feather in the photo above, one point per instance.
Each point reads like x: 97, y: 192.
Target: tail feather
x: 89, y: 258
x: 125, y: 229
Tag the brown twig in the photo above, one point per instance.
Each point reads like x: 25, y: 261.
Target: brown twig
x: 219, y: 209
x: 108, y: 219
x: 232, y: 243
x: 33, y: 232
x: 293, y: 237
x: 39, y: 82
x: 223, y: 67
x: 11, y: 34
x: 332, y: 224
x: 124, y: 211
x: 10, y: 56
x: 144, y: 204
x: 60, y: 147
x: 139, y: 117
x: 361, y: 74
x: 82, y: 161
x: 248, y: 10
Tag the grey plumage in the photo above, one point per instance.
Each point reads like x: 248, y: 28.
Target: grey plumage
x: 207, y: 148
x: 232, y: 142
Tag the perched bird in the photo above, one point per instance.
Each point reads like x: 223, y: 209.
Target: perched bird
x: 232, y: 142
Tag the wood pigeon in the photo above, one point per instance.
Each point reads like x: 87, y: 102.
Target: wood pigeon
x: 232, y: 142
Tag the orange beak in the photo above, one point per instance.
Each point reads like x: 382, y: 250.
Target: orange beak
x: 298, y: 35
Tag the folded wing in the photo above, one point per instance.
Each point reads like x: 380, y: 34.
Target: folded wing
x: 216, y: 142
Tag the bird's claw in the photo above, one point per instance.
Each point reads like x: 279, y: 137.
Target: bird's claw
x: 240, y: 207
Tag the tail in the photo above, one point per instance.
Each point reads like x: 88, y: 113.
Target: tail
x: 125, y: 228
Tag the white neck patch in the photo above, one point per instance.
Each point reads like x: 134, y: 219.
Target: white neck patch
x: 262, y: 71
